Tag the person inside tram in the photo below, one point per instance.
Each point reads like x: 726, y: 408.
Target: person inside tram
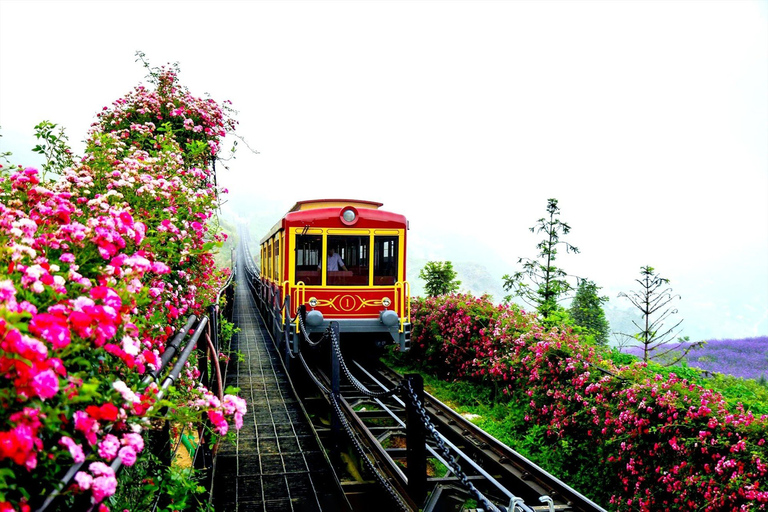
x: 335, y: 263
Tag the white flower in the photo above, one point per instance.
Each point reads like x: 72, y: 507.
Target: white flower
x: 131, y: 345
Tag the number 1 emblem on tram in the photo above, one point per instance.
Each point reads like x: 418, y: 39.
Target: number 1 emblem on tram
x: 344, y: 261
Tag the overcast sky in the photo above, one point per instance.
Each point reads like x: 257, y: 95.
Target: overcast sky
x: 647, y: 120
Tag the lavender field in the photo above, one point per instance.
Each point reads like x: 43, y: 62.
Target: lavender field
x: 746, y: 358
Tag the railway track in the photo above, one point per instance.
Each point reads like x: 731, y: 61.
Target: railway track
x: 466, y: 467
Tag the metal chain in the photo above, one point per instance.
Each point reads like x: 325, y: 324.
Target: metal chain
x: 336, y: 347
x: 303, y: 331
x: 351, y: 378
x: 368, y: 464
x: 347, y: 427
x: 445, y: 452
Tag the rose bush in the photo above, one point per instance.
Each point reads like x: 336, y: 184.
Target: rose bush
x: 652, y: 439
x: 97, y: 270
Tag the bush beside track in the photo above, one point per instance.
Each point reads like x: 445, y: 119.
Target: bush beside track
x: 97, y: 270
x: 629, y: 435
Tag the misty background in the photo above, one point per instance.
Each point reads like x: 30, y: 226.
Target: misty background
x: 648, y: 121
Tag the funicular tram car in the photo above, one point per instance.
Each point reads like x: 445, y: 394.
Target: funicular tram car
x: 366, y: 293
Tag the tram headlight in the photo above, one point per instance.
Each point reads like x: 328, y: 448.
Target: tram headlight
x: 349, y: 216
x: 313, y: 302
x: 386, y: 302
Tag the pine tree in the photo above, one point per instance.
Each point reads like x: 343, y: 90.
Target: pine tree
x: 540, y: 283
x: 654, y: 300
x: 587, y: 311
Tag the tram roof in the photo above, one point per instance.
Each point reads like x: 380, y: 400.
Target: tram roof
x: 302, y: 208
x: 312, y: 204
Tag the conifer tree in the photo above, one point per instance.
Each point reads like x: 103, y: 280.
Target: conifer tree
x: 540, y: 283
x: 654, y: 300
x: 587, y: 311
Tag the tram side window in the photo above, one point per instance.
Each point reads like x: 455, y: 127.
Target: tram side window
x: 354, y: 251
x: 385, y: 260
x: 308, y: 249
x: 276, y: 263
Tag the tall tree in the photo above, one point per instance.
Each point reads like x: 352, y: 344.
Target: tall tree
x: 654, y: 300
x: 440, y: 278
x: 587, y: 311
x: 540, y: 283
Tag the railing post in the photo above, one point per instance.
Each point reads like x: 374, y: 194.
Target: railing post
x: 202, y: 346
x: 416, y: 439
x: 301, y: 316
x: 202, y: 363
x: 287, y: 332
x: 165, y: 456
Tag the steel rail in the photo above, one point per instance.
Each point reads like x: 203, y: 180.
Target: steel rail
x: 383, y: 456
x: 518, y: 468
x: 395, y: 475
x: 467, y: 459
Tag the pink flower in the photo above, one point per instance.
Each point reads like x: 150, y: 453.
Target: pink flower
x: 127, y: 455
x: 87, y: 425
x: 159, y: 267
x: 7, y: 291
x: 126, y: 392
x: 74, y: 449
x: 84, y: 480
x: 109, y: 447
x: 105, y: 484
x: 46, y: 384
x: 134, y: 441
x: 219, y: 422
x: 52, y: 328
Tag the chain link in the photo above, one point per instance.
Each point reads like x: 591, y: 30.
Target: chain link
x: 351, y: 378
x: 444, y: 451
x: 421, y: 411
x: 303, y: 331
x: 364, y: 457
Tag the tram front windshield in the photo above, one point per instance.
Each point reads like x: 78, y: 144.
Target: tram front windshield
x: 355, y: 253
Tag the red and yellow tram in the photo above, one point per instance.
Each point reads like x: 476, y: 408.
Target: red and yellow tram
x: 344, y: 260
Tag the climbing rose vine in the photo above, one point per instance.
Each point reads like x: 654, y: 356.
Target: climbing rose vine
x: 97, y: 270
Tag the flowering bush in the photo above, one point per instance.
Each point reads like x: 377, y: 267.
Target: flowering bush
x: 451, y: 333
x: 662, y: 442
x: 98, y: 270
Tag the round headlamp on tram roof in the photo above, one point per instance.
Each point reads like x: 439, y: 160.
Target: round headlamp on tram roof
x: 348, y: 215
